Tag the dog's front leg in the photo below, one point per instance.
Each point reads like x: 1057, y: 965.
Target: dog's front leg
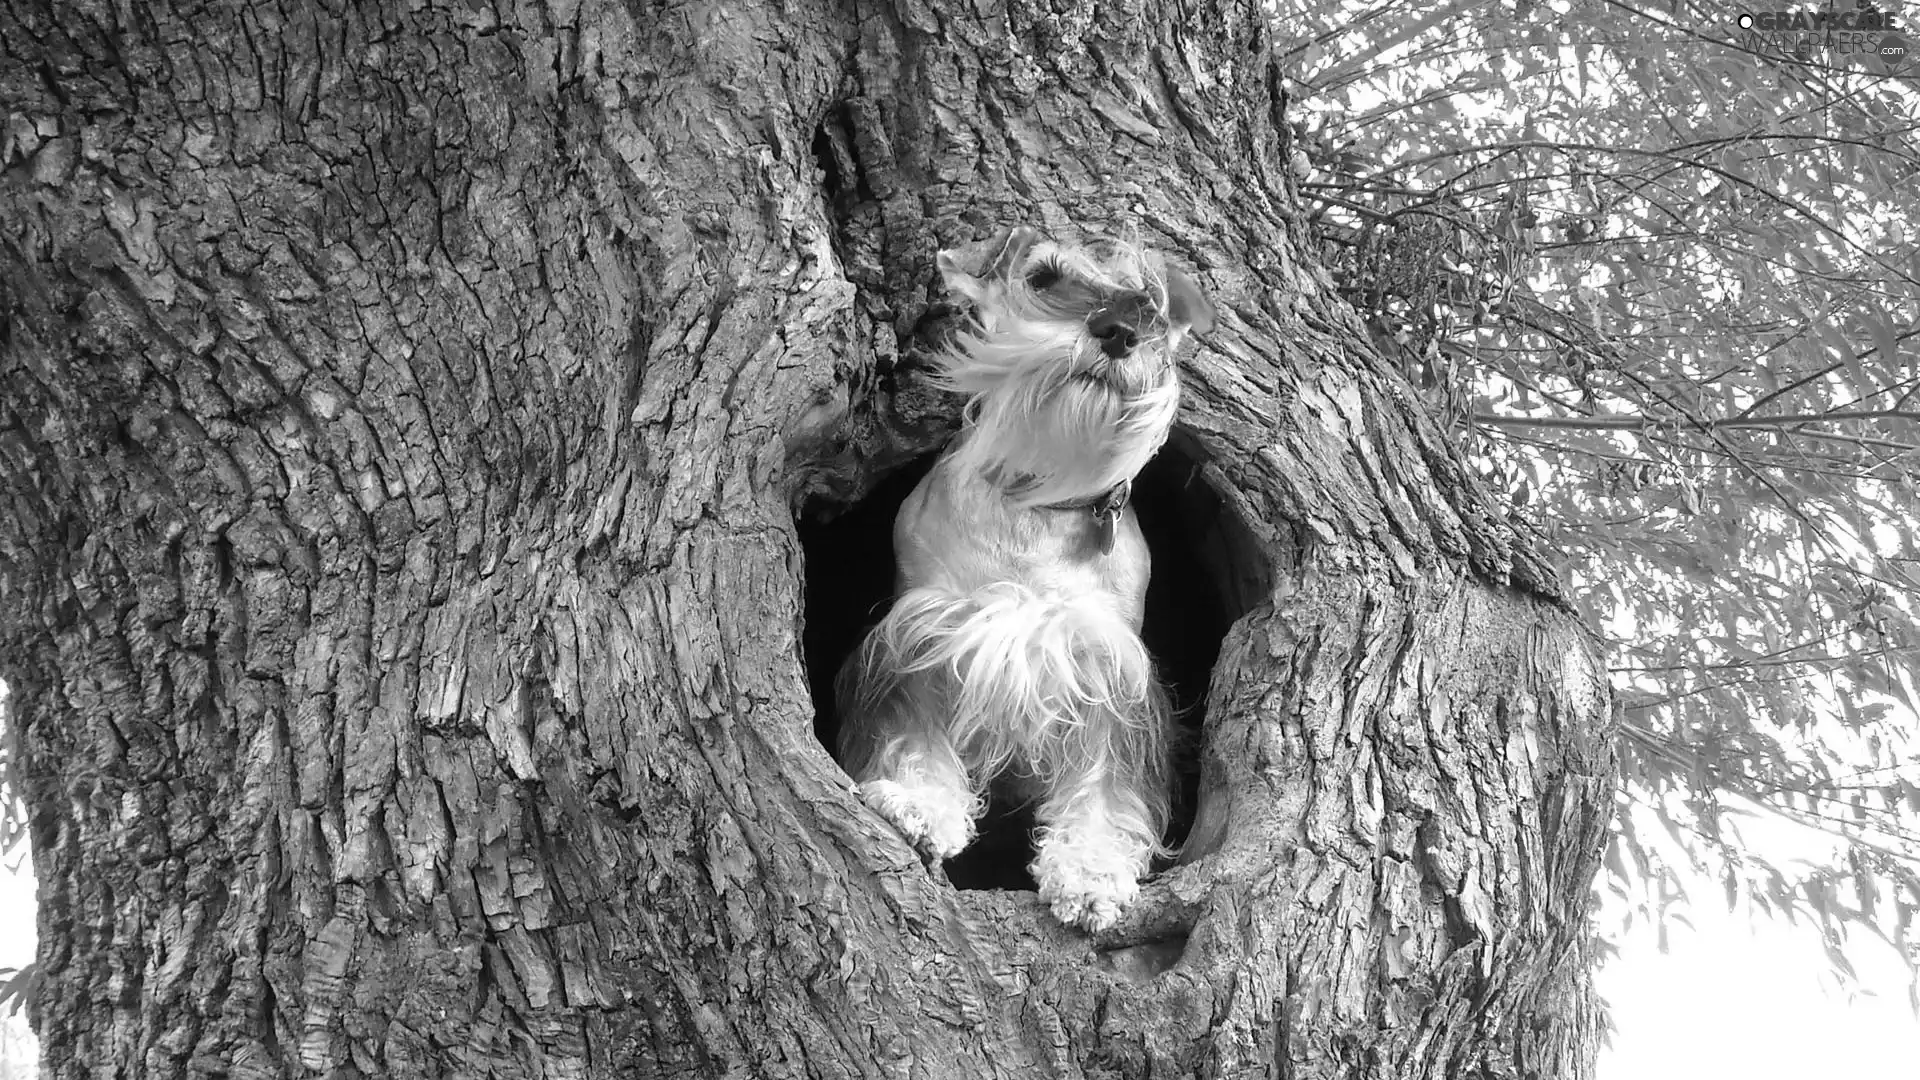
x: 894, y: 744
x: 1095, y: 844
x: 925, y: 792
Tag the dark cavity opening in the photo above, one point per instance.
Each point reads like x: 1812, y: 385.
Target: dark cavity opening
x: 1207, y: 571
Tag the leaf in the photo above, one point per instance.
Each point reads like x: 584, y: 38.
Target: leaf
x: 1885, y: 339
x: 1838, y: 958
x: 19, y: 987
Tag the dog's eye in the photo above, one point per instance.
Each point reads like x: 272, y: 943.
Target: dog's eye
x: 1044, y: 275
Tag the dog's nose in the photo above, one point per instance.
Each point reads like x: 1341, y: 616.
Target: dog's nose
x: 1117, y: 323
x: 1117, y: 341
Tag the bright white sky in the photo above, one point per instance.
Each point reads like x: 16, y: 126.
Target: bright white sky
x: 16, y: 949
x: 1731, y: 999
x: 1727, y: 1001
x: 16, y: 910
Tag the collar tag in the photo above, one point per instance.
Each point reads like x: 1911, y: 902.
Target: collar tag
x: 1106, y: 513
x: 1103, y: 531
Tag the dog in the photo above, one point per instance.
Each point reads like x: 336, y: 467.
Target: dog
x: 1012, y: 650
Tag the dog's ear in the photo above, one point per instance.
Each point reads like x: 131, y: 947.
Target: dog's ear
x: 1186, y: 305
x: 973, y: 269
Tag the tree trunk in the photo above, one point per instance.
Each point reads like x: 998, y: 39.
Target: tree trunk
x: 406, y: 413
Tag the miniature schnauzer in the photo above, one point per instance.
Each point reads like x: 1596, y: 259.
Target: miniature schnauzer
x: 1012, y: 651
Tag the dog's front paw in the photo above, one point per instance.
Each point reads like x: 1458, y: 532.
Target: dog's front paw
x: 1086, y: 889
x: 935, y: 820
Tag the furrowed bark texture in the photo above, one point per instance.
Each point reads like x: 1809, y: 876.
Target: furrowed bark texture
x: 402, y: 413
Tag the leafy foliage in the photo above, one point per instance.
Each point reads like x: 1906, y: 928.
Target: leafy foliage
x: 17, y: 987
x: 13, y: 811
x: 1661, y: 274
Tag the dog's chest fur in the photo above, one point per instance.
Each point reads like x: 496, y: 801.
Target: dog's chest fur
x: 958, y: 531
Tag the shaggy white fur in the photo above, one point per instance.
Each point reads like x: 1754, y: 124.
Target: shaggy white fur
x: 1013, y: 648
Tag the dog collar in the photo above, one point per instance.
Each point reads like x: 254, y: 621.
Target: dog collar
x: 1106, y: 508
x: 1109, y: 502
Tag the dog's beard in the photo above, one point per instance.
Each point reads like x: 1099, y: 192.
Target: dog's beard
x: 1055, y: 421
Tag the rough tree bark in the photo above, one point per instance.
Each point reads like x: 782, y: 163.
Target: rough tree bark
x: 405, y: 409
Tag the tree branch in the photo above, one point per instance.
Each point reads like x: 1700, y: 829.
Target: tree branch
x: 1638, y: 421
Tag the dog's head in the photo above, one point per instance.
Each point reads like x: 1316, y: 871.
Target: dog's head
x: 1070, y: 368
